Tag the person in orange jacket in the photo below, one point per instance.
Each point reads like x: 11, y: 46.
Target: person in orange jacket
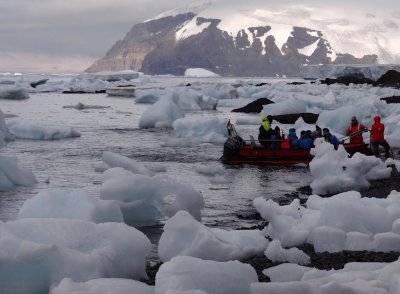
x: 378, y: 137
x: 355, y: 131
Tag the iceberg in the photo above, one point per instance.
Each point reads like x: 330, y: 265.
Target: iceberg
x: 199, y: 73
x: 39, y: 131
x: 184, y: 273
x: 97, y: 286
x: 13, y: 93
x: 183, y: 235
x: 144, y: 199
x: 5, y: 134
x: 12, y: 175
x: 38, y: 253
x: 70, y: 205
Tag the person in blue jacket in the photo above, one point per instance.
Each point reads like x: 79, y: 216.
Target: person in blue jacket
x: 276, y: 138
x: 293, y: 139
x: 305, y: 141
x: 331, y: 138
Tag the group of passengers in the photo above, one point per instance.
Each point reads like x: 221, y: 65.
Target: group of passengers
x: 275, y: 139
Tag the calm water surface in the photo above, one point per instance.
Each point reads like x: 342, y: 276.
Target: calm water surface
x: 70, y: 163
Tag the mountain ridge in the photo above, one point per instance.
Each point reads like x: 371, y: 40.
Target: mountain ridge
x: 247, y: 42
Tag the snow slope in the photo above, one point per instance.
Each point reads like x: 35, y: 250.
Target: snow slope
x: 357, y: 32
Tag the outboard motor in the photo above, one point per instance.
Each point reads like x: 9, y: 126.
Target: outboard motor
x: 232, y: 146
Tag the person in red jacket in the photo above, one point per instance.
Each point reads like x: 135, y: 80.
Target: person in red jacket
x: 355, y: 131
x: 378, y: 137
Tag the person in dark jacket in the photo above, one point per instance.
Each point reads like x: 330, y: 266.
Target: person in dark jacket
x: 265, y: 131
x: 378, y: 137
x: 331, y: 138
x: 276, y: 138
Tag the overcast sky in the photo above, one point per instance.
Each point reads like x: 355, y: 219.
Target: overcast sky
x: 81, y: 31
x: 78, y: 31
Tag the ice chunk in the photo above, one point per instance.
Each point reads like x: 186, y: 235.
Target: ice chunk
x: 185, y: 236
x: 97, y: 286
x: 72, y: 205
x: 184, y: 273
x: 39, y: 131
x: 11, y: 174
x: 36, y: 253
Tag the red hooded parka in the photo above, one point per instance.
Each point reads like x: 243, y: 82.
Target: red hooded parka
x: 377, y: 130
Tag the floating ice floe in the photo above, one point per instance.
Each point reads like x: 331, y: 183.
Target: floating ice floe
x: 275, y: 252
x: 199, y: 73
x: 70, y: 205
x: 192, y: 100
x: 219, y: 91
x: 38, y: 253
x: 12, y: 175
x: 148, y: 96
x: 172, y: 105
x: 38, y: 131
x: 81, y: 106
x: 183, y: 235
x: 184, y: 273
x: 5, y: 134
x: 97, y: 286
x: 13, y: 92
x: 111, y: 159
x: 98, y: 82
x: 161, y: 114
x: 191, y: 131
x: 144, y: 199
x: 105, y: 285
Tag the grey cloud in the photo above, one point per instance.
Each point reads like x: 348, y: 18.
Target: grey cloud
x: 396, y: 14
x: 391, y: 24
x: 87, y: 27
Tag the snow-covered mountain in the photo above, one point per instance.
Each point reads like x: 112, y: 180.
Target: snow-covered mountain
x: 254, y: 37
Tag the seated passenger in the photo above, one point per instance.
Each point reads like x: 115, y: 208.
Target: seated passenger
x: 305, y: 141
x: 276, y: 138
x: 331, y: 138
x: 293, y: 140
x: 310, y: 140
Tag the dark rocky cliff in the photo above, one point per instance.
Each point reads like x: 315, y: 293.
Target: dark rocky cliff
x: 151, y: 47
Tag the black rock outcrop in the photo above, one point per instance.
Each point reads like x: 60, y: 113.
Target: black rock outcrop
x: 390, y: 79
x: 355, y: 79
x: 254, y: 107
x: 391, y: 100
